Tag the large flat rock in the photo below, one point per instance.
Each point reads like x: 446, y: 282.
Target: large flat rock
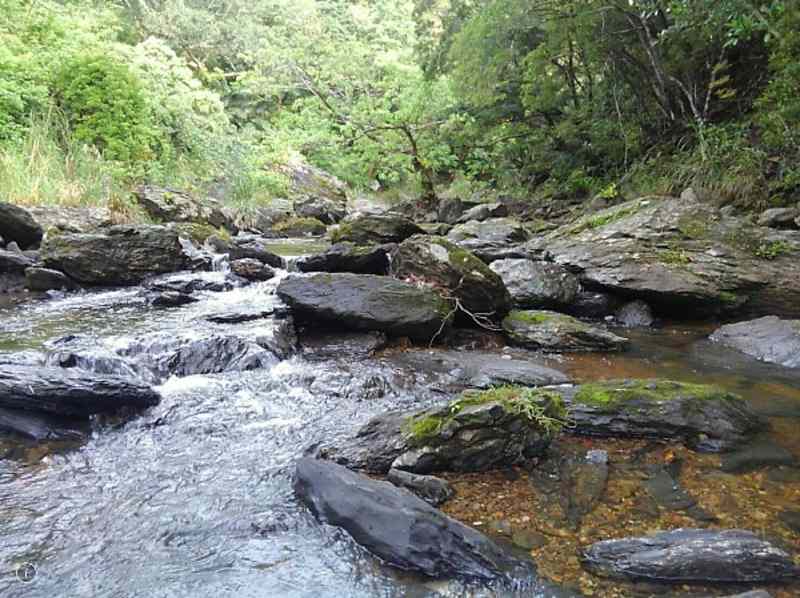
x: 767, y: 339
x: 366, y: 302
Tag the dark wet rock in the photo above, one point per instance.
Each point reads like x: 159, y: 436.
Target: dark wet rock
x: 583, y: 484
x: 40, y: 280
x: 434, y: 491
x: 341, y: 345
x: 496, y: 230
x: 12, y: 283
x: 121, y: 255
x: 374, y: 229
x: 484, y: 211
x: 324, y: 210
x: 399, y: 528
x: 685, y: 258
x: 790, y: 519
x: 767, y: 339
x: 478, y: 369
x: 593, y: 304
x: 42, y: 427
x: 636, y: 314
x: 444, y: 265
x: 779, y: 217
x: 706, y: 418
x: 664, y: 486
x: 173, y: 205
x: 172, y: 299
x: 17, y: 224
x: 70, y: 393
x: 477, y: 432
x: 234, y: 317
x: 551, y: 331
x: 537, y: 284
x: 451, y: 209
x: 170, y: 354
x: 187, y: 284
x: 472, y: 339
x: 688, y: 555
x: 763, y: 452
x: 366, y: 302
x: 252, y: 269
x: 491, y: 251
x: 348, y: 257
x: 13, y: 262
x: 246, y: 247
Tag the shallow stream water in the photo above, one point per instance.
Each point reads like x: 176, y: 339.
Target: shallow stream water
x: 194, y: 497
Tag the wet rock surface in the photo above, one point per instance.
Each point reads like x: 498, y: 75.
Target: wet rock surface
x: 63, y: 392
x: 121, y: 255
x: 551, y: 331
x: 17, y: 224
x: 537, y: 284
x: 691, y: 555
x: 187, y: 284
x: 376, y: 229
x: 434, y: 491
x: 172, y: 299
x: 14, y: 261
x: 246, y: 247
x: 348, y: 257
x: 769, y: 339
x: 444, y: 265
x: 506, y: 231
x: 340, y: 345
x: 401, y: 529
x: 42, y: 279
x: 366, y: 302
x: 704, y: 417
x: 760, y: 453
x: 42, y: 427
x: 252, y: 269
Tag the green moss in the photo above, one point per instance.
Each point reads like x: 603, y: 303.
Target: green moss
x: 535, y: 317
x: 770, y: 250
x: 613, y: 392
x: 200, y: 232
x: 693, y: 227
x: 728, y: 298
x: 544, y: 408
x: 677, y: 257
x: 342, y: 233
x: 603, y: 219
x: 298, y: 225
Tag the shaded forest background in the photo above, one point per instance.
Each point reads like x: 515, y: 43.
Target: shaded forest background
x: 539, y: 100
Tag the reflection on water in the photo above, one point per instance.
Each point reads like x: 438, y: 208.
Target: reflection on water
x: 194, y: 497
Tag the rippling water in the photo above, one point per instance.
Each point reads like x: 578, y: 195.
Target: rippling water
x: 194, y: 497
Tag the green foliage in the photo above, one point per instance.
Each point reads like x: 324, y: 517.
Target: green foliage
x: 105, y: 105
x: 772, y: 250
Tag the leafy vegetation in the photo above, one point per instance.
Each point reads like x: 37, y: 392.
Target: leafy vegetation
x: 543, y: 100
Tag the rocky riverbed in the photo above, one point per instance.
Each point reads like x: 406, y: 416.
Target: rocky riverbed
x: 193, y: 408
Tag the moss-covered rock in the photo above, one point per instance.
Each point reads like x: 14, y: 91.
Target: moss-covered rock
x: 373, y: 229
x: 552, y: 331
x: 454, y: 271
x: 702, y: 416
x: 479, y: 431
x: 297, y: 226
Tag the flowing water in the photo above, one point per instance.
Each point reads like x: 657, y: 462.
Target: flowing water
x: 194, y: 497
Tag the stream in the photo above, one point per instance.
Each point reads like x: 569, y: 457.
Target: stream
x: 194, y: 497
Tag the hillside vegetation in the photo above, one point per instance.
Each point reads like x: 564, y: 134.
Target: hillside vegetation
x: 540, y: 100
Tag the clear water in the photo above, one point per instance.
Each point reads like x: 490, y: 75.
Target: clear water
x: 194, y: 497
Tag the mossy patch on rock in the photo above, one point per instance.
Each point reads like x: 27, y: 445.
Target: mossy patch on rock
x: 613, y: 392
x: 299, y: 226
x: 544, y: 409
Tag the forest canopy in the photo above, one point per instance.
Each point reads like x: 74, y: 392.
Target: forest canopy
x: 541, y: 100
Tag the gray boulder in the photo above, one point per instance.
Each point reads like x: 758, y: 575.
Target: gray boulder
x: 324, y: 210
x: 17, y: 224
x: 779, y: 217
x: 366, y: 302
x: 399, y: 528
x: 121, y: 255
x: 246, y: 247
x: 691, y: 555
x: 374, y: 229
x: 555, y: 332
x: 252, y: 269
x: 484, y: 211
x: 172, y: 205
x: 537, y: 284
x: 13, y: 262
x: 40, y: 280
x: 444, y: 265
x: 348, y: 257
x: 767, y: 339
x: 495, y: 230
x: 63, y: 392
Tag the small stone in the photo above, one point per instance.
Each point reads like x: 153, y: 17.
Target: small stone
x: 528, y: 539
